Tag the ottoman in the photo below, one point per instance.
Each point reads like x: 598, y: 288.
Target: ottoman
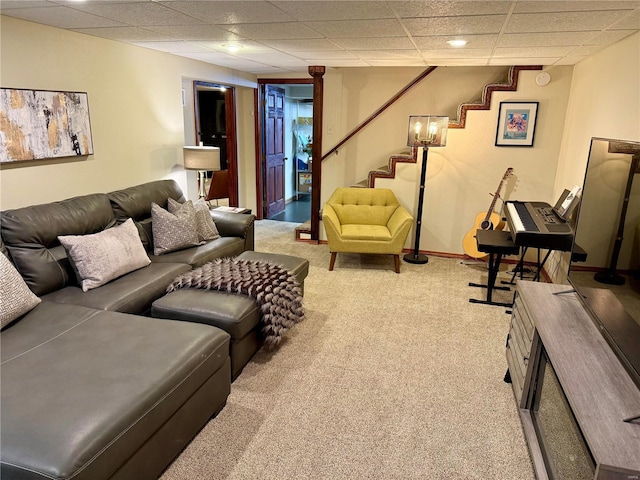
x: 299, y: 267
x: 236, y: 314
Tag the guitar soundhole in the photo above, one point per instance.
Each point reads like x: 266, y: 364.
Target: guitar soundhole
x: 486, y: 225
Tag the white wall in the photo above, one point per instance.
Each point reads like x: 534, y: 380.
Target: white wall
x: 604, y: 102
x: 135, y: 103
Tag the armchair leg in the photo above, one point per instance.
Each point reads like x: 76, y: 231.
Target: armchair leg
x: 333, y: 261
x: 396, y: 259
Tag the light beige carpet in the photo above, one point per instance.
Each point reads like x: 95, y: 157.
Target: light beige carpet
x: 388, y: 377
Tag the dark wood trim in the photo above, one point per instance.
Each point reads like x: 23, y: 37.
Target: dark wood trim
x: 232, y: 144
x: 487, y: 93
x: 393, y: 163
x: 258, y: 101
x: 380, y: 110
x: 284, y: 81
x: 232, y: 133
x: 317, y: 72
x: 259, y: 125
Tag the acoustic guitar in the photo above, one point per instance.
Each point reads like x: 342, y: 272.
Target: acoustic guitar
x: 488, y: 220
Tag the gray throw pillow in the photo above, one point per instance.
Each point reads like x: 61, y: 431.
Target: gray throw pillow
x: 15, y: 297
x: 205, y: 225
x: 173, y: 231
x: 101, y: 257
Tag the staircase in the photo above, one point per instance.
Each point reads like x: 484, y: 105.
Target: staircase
x: 511, y: 85
x: 303, y: 232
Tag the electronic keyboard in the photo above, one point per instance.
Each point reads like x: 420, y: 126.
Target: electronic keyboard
x: 536, y: 224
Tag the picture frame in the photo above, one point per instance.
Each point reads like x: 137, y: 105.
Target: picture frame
x: 43, y: 124
x: 516, y: 124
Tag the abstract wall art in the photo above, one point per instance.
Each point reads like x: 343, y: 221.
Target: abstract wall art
x: 41, y: 124
x: 516, y: 124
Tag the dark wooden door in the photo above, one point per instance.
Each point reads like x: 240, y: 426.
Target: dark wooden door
x: 274, y: 149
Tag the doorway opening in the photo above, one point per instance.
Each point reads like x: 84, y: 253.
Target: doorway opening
x: 215, y: 117
x: 286, y: 129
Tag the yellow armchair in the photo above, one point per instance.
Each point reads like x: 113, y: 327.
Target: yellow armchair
x: 365, y: 220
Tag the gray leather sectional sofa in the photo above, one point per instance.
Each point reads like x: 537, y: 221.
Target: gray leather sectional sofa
x: 92, y: 387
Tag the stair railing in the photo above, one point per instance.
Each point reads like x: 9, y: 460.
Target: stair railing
x: 381, y: 109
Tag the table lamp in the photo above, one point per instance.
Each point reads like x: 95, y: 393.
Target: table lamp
x: 424, y: 131
x: 203, y: 159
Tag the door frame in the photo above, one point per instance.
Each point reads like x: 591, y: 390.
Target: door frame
x: 231, y: 131
x: 261, y: 168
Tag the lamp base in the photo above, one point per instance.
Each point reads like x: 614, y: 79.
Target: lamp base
x: 609, y: 277
x: 413, y: 258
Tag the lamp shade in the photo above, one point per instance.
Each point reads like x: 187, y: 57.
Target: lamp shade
x: 201, y: 158
x: 427, y: 131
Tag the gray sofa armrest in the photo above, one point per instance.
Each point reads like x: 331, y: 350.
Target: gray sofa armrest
x: 235, y: 225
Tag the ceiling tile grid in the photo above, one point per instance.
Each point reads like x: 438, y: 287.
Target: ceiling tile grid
x: 275, y: 36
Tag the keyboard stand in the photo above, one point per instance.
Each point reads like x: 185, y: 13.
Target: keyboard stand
x: 496, y: 243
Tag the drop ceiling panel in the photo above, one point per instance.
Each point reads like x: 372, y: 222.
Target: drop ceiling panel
x: 455, y: 25
x: 60, y: 17
x: 359, y: 28
x: 195, y: 32
x: 630, y: 21
x: 568, y: 6
x: 530, y: 52
x: 331, y: 10
x: 174, y: 47
x: 388, y: 54
x: 367, y: 43
x: 230, y: 13
x: 438, y: 8
x: 344, y: 33
x: 547, y: 39
x: 273, y: 31
x: 563, y: 21
x: 138, y: 14
x: 457, y: 53
x: 124, y: 34
x: 440, y: 41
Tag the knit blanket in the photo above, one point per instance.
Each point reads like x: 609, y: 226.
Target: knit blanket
x: 275, y: 289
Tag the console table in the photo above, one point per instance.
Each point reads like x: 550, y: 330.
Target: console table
x: 551, y: 340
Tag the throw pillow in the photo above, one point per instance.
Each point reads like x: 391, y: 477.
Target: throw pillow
x: 205, y: 225
x: 15, y: 297
x: 173, y: 231
x: 104, y: 256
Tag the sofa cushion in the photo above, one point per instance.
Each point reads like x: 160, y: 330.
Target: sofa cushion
x: 135, y: 202
x: 131, y: 293
x: 101, y: 257
x: 15, y: 297
x: 84, y: 389
x: 205, y: 226
x: 173, y: 231
x: 31, y: 236
x: 201, y: 254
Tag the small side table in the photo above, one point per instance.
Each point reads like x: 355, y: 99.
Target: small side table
x: 231, y: 209
x: 496, y: 243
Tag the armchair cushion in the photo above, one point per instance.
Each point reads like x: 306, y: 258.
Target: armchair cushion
x: 366, y: 220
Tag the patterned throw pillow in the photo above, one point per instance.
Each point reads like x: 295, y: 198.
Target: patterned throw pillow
x: 101, y: 257
x: 15, y: 297
x: 173, y: 231
x: 205, y: 225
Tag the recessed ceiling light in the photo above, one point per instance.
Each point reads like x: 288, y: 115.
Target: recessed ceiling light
x: 232, y: 47
x: 457, y: 43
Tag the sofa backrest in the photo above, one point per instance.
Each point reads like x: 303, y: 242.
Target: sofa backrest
x: 135, y: 203
x: 363, y: 206
x: 30, y: 234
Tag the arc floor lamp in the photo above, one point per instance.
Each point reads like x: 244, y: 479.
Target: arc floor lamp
x: 425, y: 131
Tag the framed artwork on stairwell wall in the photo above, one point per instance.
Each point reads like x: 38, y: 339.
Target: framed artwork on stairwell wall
x: 43, y: 124
x: 516, y: 124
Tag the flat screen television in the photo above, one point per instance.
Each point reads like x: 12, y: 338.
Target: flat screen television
x: 607, y: 228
